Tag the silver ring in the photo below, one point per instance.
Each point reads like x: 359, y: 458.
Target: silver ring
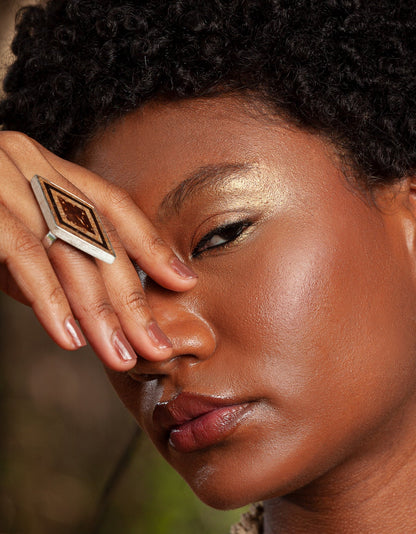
x: 71, y: 219
x: 49, y: 239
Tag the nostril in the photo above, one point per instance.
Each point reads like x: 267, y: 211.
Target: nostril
x: 146, y: 370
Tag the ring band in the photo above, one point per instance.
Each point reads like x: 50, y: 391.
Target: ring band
x: 49, y: 239
x: 71, y: 219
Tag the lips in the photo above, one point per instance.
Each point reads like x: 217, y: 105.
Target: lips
x: 191, y: 422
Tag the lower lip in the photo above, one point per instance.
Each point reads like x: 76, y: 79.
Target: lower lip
x: 208, y: 429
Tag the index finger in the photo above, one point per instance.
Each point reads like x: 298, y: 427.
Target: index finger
x: 145, y: 246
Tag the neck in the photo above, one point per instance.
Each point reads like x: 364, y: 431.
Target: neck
x: 374, y: 496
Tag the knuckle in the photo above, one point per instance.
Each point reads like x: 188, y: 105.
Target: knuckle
x: 12, y: 139
x: 6, y: 160
x: 57, y: 296
x: 155, y: 245
x: 134, y: 301
x: 101, y: 309
x: 26, y: 244
x: 118, y: 198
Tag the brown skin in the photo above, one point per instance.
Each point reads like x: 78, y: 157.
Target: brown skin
x: 309, y: 315
x: 60, y: 282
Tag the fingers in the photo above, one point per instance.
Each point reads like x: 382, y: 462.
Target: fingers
x: 129, y: 301
x: 26, y: 260
x: 105, y: 318
x: 139, y: 237
x: 64, y: 283
x: 144, y: 245
x: 25, y: 270
x: 16, y: 194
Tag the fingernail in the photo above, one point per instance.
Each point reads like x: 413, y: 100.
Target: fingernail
x: 183, y: 270
x: 123, y: 348
x: 157, y: 337
x: 74, y: 331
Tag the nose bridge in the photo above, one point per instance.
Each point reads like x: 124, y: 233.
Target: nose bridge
x: 189, y: 332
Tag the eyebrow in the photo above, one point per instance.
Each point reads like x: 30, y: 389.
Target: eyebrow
x: 206, y: 175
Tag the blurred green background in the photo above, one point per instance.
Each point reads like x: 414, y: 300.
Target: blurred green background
x: 63, y: 431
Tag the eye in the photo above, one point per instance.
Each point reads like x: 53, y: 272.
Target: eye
x: 220, y: 237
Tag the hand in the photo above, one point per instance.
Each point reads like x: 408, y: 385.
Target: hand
x: 61, y: 283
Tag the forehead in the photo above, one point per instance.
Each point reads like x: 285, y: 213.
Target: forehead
x: 153, y: 150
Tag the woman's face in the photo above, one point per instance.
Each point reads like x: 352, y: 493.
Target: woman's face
x: 294, y: 353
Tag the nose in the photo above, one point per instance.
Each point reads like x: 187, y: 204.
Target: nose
x: 192, y: 337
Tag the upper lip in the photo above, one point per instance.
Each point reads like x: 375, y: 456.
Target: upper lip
x: 184, y: 408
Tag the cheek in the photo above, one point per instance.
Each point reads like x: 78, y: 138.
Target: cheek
x: 317, y: 330
x: 318, y: 323
x: 323, y: 326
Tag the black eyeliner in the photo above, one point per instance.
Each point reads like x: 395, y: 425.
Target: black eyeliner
x: 230, y: 227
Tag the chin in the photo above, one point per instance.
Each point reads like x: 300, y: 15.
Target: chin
x: 225, y: 486
x: 227, y: 479
x: 224, y: 493
x: 217, y: 483
x: 234, y: 490
x: 223, y: 496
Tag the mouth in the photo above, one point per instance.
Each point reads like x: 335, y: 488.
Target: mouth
x: 192, y: 422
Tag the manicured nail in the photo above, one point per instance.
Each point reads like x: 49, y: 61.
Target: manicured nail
x: 158, y: 338
x: 183, y: 270
x: 75, y: 333
x: 123, y: 348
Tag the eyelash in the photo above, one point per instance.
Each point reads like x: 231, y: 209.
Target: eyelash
x: 229, y: 232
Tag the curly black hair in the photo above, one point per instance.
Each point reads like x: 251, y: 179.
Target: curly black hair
x: 343, y: 68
